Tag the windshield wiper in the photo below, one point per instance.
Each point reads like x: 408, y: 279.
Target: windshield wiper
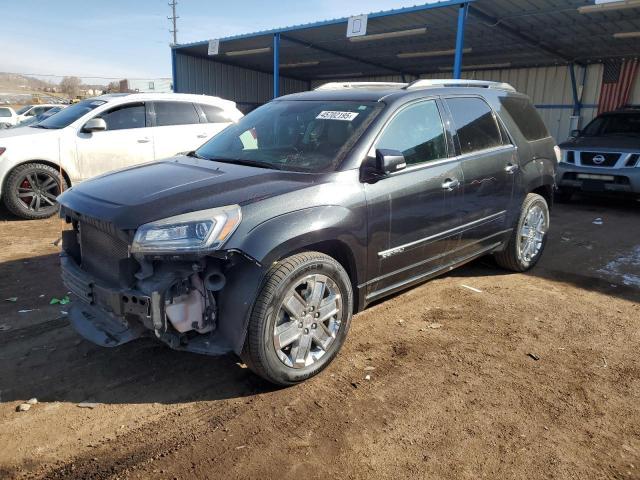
x: 248, y: 163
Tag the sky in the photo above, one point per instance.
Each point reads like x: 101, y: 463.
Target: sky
x: 130, y: 38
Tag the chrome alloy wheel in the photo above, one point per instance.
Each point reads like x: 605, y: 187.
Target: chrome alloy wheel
x: 532, y: 233
x: 307, y: 321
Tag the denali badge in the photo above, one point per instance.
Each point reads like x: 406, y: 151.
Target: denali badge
x: 598, y: 159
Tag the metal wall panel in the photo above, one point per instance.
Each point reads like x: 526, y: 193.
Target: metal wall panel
x: 548, y: 87
x: 247, y: 88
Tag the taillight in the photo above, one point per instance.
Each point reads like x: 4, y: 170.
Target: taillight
x: 2, y: 150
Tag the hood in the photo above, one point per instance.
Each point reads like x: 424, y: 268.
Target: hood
x: 616, y: 143
x: 134, y: 196
x: 26, y: 132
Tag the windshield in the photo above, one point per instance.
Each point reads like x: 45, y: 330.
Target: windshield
x: 620, y: 124
x: 67, y: 116
x: 307, y: 136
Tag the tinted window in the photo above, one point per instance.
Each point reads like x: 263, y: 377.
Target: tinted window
x: 123, y: 117
x: 477, y: 129
x: 417, y: 132
x: 23, y: 109
x: 5, y: 112
x: 625, y: 124
x: 214, y: 114
x: 175, y: 113
x: 526, y: 117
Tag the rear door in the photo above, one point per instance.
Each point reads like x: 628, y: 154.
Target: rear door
x: 176, y: 128
x: 127, y: 141
x: 412, y: 213
x: 489, y: 164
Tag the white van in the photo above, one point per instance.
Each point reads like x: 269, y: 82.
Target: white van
x: 98, y: 135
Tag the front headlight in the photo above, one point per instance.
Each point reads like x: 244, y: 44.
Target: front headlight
x: 194, y: 232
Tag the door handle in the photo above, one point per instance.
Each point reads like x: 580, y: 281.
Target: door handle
x: 450, y: 184
x: 143, y: 140
x: 202, y: 135
x: 511, y: 168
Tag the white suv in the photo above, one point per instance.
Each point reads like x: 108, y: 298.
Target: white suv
x: 98, y: 135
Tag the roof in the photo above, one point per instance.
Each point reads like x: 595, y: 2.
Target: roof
x: 499, y: 34
x: 186, y: 97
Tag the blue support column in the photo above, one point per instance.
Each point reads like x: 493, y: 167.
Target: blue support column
x: 173, y: 70
x: 462, y: 20
x: 276, y: 65
x: 574, y: 88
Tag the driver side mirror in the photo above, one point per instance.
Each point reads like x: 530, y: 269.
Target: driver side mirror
x: 389, y: 161
x: 575, y: 133
x: 95, y: 125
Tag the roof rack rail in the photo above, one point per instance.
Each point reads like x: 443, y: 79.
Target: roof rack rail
x: 432, y: 83
x: 343, y: 85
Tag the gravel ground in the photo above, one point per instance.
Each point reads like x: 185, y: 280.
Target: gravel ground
x: 535, y: 376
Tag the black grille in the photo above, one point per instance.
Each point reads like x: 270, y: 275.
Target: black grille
x: 633, y: 160
x: 102, y: 250
x: 571, y: 156
x: 597, y: 159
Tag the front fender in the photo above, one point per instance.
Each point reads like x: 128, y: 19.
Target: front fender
x: 277, y: 238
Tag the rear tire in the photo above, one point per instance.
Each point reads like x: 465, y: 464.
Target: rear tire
x: 527, y: 242
x: 30, y: 191
x: 289, y: 339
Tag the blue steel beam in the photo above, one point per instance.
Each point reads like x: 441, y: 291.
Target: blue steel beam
x: 174, y: 80
x: 462, y: 20
x: 276, y: 65
x: 574, y: 89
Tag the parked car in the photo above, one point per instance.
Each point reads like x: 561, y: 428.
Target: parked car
x: 265, y: 240
x: 604, y: 157
x: 8, y: 117
x: 39, y: 118
x: 98, y: 135
x: 33, y: 110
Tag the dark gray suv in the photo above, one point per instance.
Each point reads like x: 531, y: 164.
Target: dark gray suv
x: 267, y: 239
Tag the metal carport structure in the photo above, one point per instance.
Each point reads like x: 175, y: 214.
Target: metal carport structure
x: 459, y: 38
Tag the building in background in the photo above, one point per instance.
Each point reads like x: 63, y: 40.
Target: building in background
x: 571, y: 56
x: 146, y: 85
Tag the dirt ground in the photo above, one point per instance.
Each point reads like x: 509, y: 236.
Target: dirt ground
x: 535, y: 376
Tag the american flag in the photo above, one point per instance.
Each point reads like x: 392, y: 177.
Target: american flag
x: 617, y: 80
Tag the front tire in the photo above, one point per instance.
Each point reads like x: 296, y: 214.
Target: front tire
x: 30, y: 191
x: 300, y: 318
x: 529, y: 238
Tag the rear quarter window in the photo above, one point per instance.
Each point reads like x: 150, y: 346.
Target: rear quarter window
x: 526, y: 117
x: 214, y: 114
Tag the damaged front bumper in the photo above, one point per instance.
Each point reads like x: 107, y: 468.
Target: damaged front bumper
x: 111, y: 316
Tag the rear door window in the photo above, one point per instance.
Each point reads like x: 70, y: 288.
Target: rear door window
x: 417, y: 132
x: 123, y: 117
x: 526, y: 117
x: 213, y: 114
x: 477, y: 128
x: 175, y: 113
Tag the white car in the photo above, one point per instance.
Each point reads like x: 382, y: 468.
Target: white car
x: 8, y: 117
x: 98, y: 135
x: 33, y: 110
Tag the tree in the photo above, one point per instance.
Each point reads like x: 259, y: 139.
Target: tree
x: 113, y: 87
x: 70, y: 86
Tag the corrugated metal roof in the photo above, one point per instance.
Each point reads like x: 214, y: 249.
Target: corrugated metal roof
x: 505, y: 33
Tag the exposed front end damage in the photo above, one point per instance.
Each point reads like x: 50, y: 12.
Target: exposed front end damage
x: 178, y: 299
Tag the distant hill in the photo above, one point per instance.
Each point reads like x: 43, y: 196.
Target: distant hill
x: 10, y: 82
